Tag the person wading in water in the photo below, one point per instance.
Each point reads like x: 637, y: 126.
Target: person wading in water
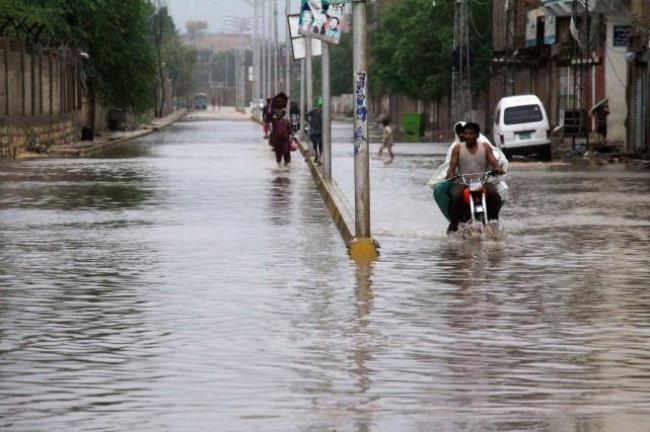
x: 471, y: 157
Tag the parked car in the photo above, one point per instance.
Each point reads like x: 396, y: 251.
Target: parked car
x: 201, y: 101
x: 521, y: 127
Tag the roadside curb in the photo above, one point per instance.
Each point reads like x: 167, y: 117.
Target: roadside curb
x: 93, y: 149
x: 335, y: 201
x: 340, y: 209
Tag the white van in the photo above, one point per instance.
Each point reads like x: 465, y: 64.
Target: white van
x: 521, y: 127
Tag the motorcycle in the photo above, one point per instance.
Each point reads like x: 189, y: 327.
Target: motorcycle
x: 474, y: 196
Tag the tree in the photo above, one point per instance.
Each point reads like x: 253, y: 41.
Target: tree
x: 340, y: 67
x: 411, y: 48
x: 115, y: 34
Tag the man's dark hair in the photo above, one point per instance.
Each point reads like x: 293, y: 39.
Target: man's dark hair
x: 459, y: 129
x: 473, y: 127
x: 385, y: 122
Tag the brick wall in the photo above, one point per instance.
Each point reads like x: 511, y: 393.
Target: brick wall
x: 16, y: 133
x: 40, y: 96
x: 641, y: 11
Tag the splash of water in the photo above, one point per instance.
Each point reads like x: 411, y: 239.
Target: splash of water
x: 492, y: 231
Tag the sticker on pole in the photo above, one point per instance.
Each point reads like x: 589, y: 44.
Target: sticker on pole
x: 324, y: 19
x: 360, y: 111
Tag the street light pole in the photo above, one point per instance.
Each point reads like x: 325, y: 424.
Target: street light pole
x: 268, y: 43
x: 303, y: 100
x: 327, y: 121
x: 276, y: 75
x: 363, y: 247
x: 263, y: 68
x: 287, y: 80
x: 309, y: 84
x: 254, y: 48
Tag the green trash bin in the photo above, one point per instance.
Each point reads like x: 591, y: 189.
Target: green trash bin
x: 412, y: 127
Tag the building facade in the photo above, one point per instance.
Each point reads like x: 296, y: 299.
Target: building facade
x: 639, y: 79
x: 574, y: 58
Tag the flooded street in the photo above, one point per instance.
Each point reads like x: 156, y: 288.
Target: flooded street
x: 187, y: 284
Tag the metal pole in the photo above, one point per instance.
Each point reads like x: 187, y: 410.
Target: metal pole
x: 361, y: 150
x: 327, y: 121
x: 258, y: 59
x: 263, y: 80
x: 244, y: 76
x: 276, y: 75
x: 309, y: 84
x: 254, y: 49
x: 287, y: 81
x: 303, y: 100
x: 268, y: 43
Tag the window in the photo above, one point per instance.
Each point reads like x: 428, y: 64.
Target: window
x: 522, y: 114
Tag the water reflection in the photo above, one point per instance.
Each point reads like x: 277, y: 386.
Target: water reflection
x: 195, y: 285
x: 362, y: 352
x: 74, y: 185
x: 280, y: 200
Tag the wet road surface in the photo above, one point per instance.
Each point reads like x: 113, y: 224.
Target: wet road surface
x: 187, y: 284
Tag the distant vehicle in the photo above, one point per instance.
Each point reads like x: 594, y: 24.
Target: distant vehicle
x: 521, y: 127
x: 201, y: 101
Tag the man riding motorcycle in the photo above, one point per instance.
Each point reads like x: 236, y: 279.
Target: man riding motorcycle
x: 467, y: 158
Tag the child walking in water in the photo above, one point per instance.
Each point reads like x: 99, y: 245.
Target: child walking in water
x: 387, y: 140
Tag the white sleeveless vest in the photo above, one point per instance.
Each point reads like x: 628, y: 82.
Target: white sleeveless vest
x: 469, y: 163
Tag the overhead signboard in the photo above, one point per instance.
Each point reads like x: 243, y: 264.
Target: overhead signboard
x: 299, y: 50
x: 298, y: 40
x: 323, y: 19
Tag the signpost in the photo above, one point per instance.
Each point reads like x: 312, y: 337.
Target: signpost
x: 363, y: 247
x: 298, y: 41
x: 323, y: 19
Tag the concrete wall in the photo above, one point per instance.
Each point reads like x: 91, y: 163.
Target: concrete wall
x: 343, y: 105
x: 16, y: 133
x: 40, y: 96
x: 616, y: 76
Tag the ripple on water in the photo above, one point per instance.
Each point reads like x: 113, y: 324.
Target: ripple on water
x: 185, y: 284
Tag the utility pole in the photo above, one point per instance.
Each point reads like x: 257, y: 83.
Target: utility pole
x: 511, y: 66
x: 287, y: 80
x: 269, y: 53
x: 237, y: 77
x: 255, y: 92
x: 276, y: 75
x: 461, y: 75
x: 303, y: 100
x: 363, y: 247
x: 327, y: 113
x: 263, y: 68
x: 309, y: 84
x: 580, y: 63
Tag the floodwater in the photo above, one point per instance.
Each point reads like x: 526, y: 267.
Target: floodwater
x: 186, y: 284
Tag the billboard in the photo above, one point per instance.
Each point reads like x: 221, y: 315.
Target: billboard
x: 324, y: 19
x: 298, y: 41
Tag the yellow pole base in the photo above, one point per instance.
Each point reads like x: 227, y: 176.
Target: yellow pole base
x: 363, y: 249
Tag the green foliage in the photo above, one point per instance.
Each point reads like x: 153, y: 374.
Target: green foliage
x: 114, y: 33
x: 174, y: 57
x: 411, y: 49
x: 340, y: 67
x: 180, y: 61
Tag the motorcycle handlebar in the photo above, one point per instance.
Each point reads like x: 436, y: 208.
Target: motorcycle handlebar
x: 484, y: 175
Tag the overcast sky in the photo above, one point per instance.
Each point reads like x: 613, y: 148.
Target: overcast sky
x: 213, y: 11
